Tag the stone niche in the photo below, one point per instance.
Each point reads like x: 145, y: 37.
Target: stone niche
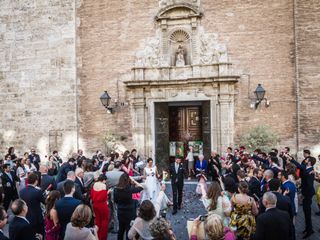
x: 182, y: 62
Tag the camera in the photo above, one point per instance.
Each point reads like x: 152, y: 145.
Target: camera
x: 203, y: 218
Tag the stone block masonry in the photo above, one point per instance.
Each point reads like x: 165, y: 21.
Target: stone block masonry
x: 37, y: 75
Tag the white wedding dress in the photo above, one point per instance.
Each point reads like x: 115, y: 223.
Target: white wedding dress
x: 152, y: 184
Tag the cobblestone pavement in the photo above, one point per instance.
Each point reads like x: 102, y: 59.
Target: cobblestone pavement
x: 192, y: 207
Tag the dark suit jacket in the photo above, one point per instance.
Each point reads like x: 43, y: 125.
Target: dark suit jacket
x: 3, y: 237
x: 177, y: 178
x: 35, y: 159
x: 274, y: 224
x: 63, y: 171
x: 33, y: 198
x: 80, y: 184
x: 46, y: 180
x: 19, y: 229
x: 307, y: 179
x: 9, y: 186
x: 65, y: 207
x: 77, y: 194
x: 283, y: 203
x: 255, y: 188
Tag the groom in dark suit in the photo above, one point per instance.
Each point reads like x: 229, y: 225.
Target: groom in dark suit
x: 177, y: 178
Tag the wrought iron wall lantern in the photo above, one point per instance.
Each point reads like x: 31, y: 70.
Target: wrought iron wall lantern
x: 109, y: 105
x: 259, y: 97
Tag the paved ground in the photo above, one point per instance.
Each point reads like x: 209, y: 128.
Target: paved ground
x: 193, y: 208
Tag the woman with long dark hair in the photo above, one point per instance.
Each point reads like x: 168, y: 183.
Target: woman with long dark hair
x: 52, y: 227
x: 215, y: 202
x: 126, y: 205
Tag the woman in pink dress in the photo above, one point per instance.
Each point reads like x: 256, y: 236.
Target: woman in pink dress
x: 99, y: 197
x: 52, y: 227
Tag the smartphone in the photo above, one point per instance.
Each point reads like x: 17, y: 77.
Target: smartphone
x: 203, y: 217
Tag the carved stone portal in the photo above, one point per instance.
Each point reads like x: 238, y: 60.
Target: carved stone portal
x: 182, y: 62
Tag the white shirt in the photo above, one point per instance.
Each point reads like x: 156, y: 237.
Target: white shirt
x: 176, y: 167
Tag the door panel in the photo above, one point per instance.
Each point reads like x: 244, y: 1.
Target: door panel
x: 185, y: 124
x: 162, y: 135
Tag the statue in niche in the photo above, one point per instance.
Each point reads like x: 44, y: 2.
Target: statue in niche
x: 180, y: 62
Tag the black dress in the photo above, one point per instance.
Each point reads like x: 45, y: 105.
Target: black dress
x: 126, y: 208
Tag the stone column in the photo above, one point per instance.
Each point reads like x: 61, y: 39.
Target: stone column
x: 226, y: 116
x: 138, y: 130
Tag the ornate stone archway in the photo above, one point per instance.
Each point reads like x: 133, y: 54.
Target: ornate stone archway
x: 205, y: 74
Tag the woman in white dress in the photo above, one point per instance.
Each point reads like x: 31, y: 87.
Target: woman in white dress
x: 150, y: 174
x: 152, y: 189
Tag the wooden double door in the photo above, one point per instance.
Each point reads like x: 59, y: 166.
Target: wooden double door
x: 185, y: 124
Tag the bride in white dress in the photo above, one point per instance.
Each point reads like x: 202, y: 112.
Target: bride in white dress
x: 152, y: 189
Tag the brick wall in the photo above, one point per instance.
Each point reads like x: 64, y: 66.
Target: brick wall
x: 308, y: 59
x: 259, y: 35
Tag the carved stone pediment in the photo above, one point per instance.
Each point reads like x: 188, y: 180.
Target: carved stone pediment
x: 165, y: 3
x: 178, y: 11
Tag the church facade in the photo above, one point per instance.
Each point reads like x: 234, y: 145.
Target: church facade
x: 178, y: 72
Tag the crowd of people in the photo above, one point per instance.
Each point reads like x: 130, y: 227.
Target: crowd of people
x: 246, y: 195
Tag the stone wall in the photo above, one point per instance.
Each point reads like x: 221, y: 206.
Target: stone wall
x: 37, y: 75
x: 308, y: 60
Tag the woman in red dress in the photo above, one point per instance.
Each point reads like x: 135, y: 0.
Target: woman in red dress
x: 99, y: 197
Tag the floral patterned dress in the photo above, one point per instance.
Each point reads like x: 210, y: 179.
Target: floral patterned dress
x: 242, y: 219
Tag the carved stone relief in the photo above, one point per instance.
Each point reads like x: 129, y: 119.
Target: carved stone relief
x: 211, y: 51
x: 164, y: 3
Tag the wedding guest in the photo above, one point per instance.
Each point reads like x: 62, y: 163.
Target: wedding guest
x: 52, y: 226
x: 215, y: 202
x: 161, y: 229
x: 34, y: 159
x: 125, y: 204
x: 214, y: 228
x: 76, y: 228
x: 3, y: 222
x: 243, y: 213
x: 66, y: 205
x: 9, y: 183
x: 99, y: 198
x: 33, y: 197
x: 273, y: 223
x: 19, y: 227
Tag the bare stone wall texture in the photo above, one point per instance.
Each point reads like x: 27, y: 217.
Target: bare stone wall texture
x: 260, y: 40
x: 308, y: 59
x: 37, y: 75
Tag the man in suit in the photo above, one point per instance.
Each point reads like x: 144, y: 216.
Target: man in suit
x: 19, y: 227
x: 79, y: 179
x: 273, y: 223
x: 114, y: 175
x: 9, y: 184
x: 70, y: 177
x: 35, y: 158
x: 307, y: 189
x: 254, y: 185
x: 3, y: 222
x: 177, y: 179
x: 66, y: 205
x: 283, y: 202
x: 33, y: 197
x: 65, y: 168
x: 288, y: 188
x: 267, y: 176
x: 48, y: 183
